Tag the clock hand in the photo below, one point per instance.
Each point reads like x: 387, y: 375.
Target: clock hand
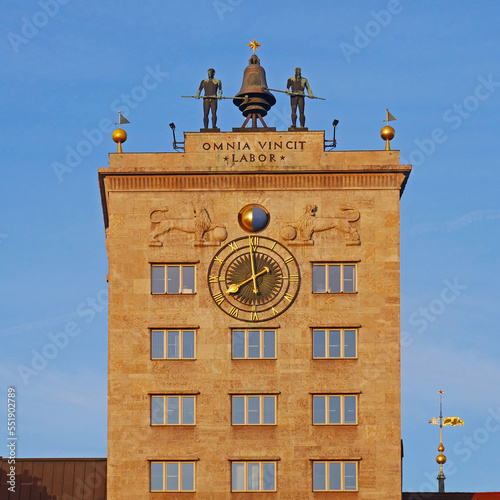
x: 255, y: 289
x: 235, y: 287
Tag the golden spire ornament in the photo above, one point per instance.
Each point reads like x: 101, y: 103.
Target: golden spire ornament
x: 441, y: 458
x: 119, y: 135
x: 387, y: 133
x: 254, y: 45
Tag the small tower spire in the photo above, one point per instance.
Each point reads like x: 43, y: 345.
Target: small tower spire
x: 441, y: 458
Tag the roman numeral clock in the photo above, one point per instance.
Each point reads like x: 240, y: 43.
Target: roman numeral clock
x: 254, y: 278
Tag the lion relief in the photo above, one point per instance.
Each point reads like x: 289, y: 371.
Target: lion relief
x: 199, y: 225
x: 308, y: 224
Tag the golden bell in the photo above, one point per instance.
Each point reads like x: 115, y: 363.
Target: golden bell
x: 258, y: 100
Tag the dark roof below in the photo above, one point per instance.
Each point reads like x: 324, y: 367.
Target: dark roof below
x: 54, y: 478
x: 450, y: 496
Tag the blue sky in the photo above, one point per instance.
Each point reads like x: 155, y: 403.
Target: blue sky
x: 68, y: 66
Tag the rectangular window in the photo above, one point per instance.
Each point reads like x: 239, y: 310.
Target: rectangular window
x: 334, y: 278
x: 332, y: 344
x: 254, y: 410
x: 172, y: 344
x: 254, y: 344
x: 173, y: 410
x: 253, y: 476
x: 335, y: 476
x: 172, y: 476
x: 172, y: 278
x: 335, y: 410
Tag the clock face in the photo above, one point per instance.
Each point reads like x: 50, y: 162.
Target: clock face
x: 254, y: 278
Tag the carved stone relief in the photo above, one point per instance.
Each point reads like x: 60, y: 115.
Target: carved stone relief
x: 204, y: 230
x: 302, y: 231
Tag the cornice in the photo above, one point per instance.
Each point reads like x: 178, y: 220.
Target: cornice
x: 263, y: 181
x: 386, y: 178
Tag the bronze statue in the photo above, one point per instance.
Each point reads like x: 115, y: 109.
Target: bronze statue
x: 297, y: 84
x: 211, y: 86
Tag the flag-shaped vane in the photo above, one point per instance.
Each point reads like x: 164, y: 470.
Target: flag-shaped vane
x: 121, y: 119
x: 390, y: 117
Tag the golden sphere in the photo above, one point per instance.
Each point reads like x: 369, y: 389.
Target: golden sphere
x: 119, y: 135
x: 245, y: 219
x: 253, y: 218
x: 387, y: 132
x: 441, y: 459
x: 441, y: 447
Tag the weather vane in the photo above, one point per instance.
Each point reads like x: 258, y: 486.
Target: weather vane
x: 387, y: 133
x: 119, y: 135
x: 442, y: 422
x: 254, y: 45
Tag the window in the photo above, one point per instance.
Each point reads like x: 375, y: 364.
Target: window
x: 253, y: 476
x: 172, y: 476
x: 334, y: 409
x: 172, y: 278
x: 334, y: 278
x: 254, y: 344
x: 172, y: 410
x: 335, y: 476
x: 331, y: 344
x: 172, y: 344
x: 254, y: 410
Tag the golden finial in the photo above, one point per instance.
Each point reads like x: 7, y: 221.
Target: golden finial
x: 387, y: 133
x: 254, y: 45
x: 119, y: 135
x: 453, y: 421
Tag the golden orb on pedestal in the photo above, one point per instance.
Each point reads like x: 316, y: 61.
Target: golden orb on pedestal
x: 119, y: 135
x: 387, y: 133
x: 441, y: 459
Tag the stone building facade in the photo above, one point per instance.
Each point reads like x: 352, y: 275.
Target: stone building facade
x: 254, y: 331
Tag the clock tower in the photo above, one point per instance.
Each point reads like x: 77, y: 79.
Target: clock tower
x: 254, y: 341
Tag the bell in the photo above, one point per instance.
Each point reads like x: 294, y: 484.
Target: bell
x: 255, y: 99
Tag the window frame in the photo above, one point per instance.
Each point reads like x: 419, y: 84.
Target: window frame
x: 180, y: 473
x: 181, y: 267
x: 246, y: 409
x: 342, y: 474
x: 245, y: 464
x: 342, y: 277
x: 182, y: 332
x: 342, y: 409
x: 165, y: 410
x: 328, y: 331
x: 262, y: 344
